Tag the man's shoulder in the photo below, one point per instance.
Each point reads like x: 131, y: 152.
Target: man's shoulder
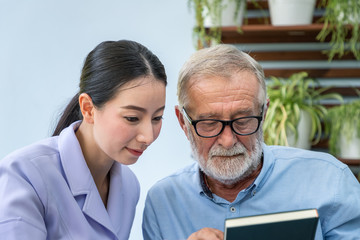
x: 281, y: 153
x: 181, y: 177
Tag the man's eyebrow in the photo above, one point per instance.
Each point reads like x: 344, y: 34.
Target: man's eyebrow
x: 140, y: 109
x: 216, y: 115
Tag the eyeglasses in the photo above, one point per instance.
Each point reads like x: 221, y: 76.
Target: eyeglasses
x: 208, y: 128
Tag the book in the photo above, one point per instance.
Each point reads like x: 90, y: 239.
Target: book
x: 294, y: 225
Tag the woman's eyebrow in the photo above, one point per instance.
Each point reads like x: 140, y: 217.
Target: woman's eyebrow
x: 133, y: 107
x: 140, y: 109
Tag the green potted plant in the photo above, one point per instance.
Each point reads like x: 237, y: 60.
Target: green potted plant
x: 293, y: 100
x: 209, y: 14
x: 341, y: 23
x: 344, y: 139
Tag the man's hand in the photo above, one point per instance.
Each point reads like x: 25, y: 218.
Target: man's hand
x: 207, y: 234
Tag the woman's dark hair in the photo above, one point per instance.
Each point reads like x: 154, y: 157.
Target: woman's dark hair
x: 107, y: 67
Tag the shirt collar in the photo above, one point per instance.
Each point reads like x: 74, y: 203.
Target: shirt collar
x: 267, y: 166
x: 76, y: 170
x: 205, y: 188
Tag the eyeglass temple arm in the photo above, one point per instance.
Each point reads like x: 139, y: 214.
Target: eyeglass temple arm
x: 186, y: 116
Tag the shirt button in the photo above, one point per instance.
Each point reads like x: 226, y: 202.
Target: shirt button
x: 233, y: 209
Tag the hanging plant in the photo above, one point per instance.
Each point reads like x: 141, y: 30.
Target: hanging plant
x: 341, y: 23
x: 205, y: 37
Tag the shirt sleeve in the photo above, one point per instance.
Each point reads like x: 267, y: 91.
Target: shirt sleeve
x: 343, y: 218
x: 21, y: 210
x: 150, y: 226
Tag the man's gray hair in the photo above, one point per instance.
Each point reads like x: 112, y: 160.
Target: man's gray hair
x: 221, y: 60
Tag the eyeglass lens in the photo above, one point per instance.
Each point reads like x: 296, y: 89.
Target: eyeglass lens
x: 242, y: 126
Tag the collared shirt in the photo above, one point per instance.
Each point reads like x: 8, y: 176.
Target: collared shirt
x: 47, y: 192
x: 290, y: 179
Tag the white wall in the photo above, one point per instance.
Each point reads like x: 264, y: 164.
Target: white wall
x: 42, y: 47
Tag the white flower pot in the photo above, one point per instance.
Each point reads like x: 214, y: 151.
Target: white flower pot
x: 349, y: 149
x: 304, y: 131
x: 227, y: 15
x: 291, y: 12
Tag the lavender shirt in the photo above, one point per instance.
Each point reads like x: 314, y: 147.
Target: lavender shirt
x: 47, y: 192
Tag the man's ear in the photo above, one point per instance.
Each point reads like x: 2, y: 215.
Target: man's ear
x: 181, y: 121
x: 87, y: 108
x: 266, y: 107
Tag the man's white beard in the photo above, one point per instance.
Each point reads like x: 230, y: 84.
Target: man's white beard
x: 229, y: 166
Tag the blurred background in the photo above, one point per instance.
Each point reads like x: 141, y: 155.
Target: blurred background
x: 43, y: 44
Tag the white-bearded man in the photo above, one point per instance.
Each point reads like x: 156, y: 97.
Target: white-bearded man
x: 222, y: 105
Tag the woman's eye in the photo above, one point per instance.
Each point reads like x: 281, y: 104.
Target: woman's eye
x: 157, y: 119
x: 132, y: 119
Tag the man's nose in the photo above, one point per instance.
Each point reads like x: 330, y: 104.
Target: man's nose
x: 227, y: 137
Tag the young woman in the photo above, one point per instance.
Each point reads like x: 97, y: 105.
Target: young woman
x: 76, y: 185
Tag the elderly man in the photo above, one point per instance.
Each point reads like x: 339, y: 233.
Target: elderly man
x: 222, y: 106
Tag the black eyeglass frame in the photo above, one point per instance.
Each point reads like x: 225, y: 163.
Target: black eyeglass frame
x: 224, y: 123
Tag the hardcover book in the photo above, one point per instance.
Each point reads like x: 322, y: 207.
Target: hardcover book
x: 294, y: 225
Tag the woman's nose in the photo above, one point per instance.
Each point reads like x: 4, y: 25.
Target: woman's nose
x: 146, y: 134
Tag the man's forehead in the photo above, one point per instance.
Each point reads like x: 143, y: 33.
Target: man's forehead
x: 241, y: 79
x: 217, y: 90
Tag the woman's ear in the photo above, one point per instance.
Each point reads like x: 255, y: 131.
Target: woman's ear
x: 181, y: 121
x: 87, y: 108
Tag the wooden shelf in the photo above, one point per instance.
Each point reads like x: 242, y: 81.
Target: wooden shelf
x: 297, y: 55
x: 257, y: 33
x: 351, y: 162
x: 267, y: 33
x: 315, y: 73
x: 299, y: 34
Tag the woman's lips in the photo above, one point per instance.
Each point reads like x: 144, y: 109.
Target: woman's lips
x: 134, y: 152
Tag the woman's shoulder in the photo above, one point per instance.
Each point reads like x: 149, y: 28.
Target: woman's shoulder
x: 30, y: 154
x: 30, y: 169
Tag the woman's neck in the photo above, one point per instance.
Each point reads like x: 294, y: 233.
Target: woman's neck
x: 98, y: 164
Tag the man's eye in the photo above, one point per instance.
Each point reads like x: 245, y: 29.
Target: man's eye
x: 132, y: 119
